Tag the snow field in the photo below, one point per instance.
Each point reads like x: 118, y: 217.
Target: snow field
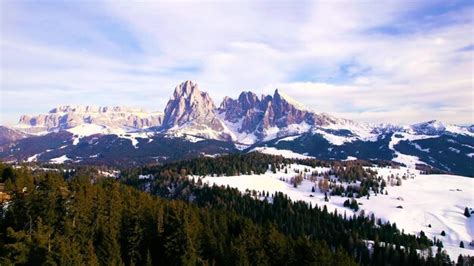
x: 436, y: 200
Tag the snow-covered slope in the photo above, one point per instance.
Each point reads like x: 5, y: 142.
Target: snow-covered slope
x: 436, y: 200
x: 9, y: 135
x: 408, y: 160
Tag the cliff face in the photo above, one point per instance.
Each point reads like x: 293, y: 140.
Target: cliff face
x: 191, y: 111
x: 258, y: 115
x: 67, y: 116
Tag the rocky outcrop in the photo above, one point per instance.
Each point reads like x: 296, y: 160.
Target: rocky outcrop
x: 236, y: 109
x: 246, y: 108
x: 258, y: 115
x: 191, y: 111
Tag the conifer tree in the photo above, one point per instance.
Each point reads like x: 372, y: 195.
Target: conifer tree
x: 467, y: 213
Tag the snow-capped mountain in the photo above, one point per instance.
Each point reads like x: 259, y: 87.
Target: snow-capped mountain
x: 192, y: 112
x: 10, y: 135
x: 254, y: 119
x: 435, y: 127
x: 275, y: 121
x: 68, y: 116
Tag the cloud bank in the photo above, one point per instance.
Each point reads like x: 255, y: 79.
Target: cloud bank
x: 396, y: 61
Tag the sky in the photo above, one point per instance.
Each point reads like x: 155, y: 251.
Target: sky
x: 375, y: 61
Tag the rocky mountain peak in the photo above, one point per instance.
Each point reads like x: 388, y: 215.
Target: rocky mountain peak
x: 258, y: 115
x: 225, y: 103
x: 280, y: 96
x: 188, y: 104
x: 185, y: 89
x: 282, y: 111
x: 235, y: 109
x: 248, y: 100
x: 192, y: 112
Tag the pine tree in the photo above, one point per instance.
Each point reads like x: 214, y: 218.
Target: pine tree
x: 467, y: 213
x: 275, y: 245
x: 148, y: 260
x: 461, y: 245
x: 273, y: 168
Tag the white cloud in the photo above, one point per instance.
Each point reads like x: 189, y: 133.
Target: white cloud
x: 327, y: 55
x: 384, y: 103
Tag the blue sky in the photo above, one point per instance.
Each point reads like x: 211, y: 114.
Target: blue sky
x: 390, y: 61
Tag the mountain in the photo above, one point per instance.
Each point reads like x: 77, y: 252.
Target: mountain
x: 267, y: 117
x: 9, y: 135
x: 192, y: 112
x: 68, y: 116
x: 193, y: 124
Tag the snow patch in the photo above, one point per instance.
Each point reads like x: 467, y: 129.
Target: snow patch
x: 141, y: 177
x: 418, y: 147
x: 333, y: 139
x: 193, y: 139
x: 454, y: 150
x: 291, y: 138
x: 350, y: 158
x: 284, y: 153
x: 85, y: 130
x: 33, y: 158
x: 60, y: 159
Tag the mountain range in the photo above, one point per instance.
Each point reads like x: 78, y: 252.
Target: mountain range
x: 192, y: 125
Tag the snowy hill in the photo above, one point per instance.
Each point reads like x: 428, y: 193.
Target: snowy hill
x: 428, y: 203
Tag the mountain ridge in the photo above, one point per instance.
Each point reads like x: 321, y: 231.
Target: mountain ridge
x: 276, y: 120
x: 189, y: 104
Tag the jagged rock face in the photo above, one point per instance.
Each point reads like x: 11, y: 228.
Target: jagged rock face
x: 65, y: 117
x: 247, y: 107
x: 258, y: 115
x: 193, y: 112
x: 236, y: 109
x: 251, y: 120
x: 283, y: 113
